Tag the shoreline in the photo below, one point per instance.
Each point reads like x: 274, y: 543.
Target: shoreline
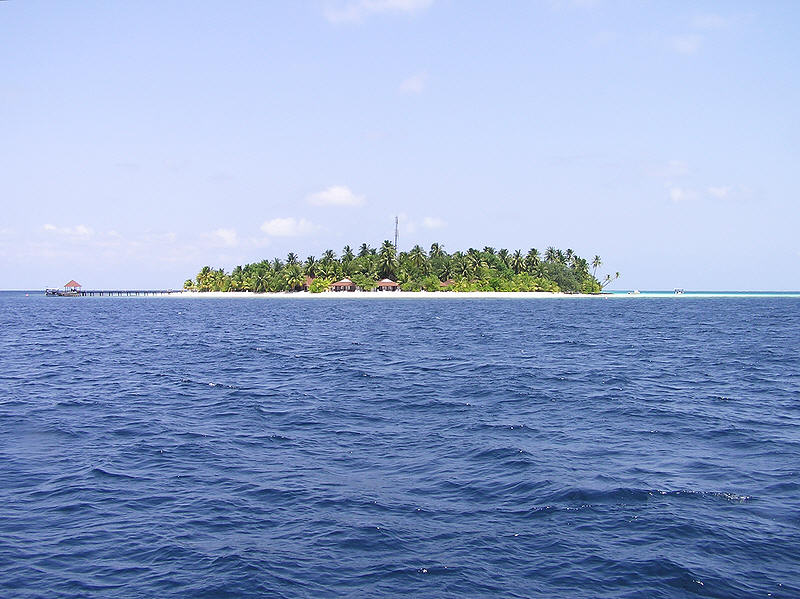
x: 444, y: 295
x: 379, y: 295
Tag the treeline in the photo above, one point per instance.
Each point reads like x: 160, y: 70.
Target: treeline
x: 435, y: 270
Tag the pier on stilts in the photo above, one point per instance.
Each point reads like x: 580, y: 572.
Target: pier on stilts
x: 74, y: 289
x: 109, y: 292
x: 85, y: 292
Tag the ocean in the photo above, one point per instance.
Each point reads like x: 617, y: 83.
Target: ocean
x: 585, y: 448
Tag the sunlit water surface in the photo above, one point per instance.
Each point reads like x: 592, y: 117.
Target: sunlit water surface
x: 591, y: 448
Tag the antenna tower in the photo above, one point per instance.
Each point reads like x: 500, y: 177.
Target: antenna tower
x: 396, y: 221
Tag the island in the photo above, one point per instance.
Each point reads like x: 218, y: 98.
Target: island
x: 384, y: 269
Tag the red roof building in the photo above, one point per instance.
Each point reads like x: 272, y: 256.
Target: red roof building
x: 343, y: 285
x: 73, y: 284
x: 386, y: 285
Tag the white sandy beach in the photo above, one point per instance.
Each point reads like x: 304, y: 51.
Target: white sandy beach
x: 382, y: 295
x: 452, y: 295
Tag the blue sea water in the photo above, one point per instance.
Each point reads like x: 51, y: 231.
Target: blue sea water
x: 587, y: 448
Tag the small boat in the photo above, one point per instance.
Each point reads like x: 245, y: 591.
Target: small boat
x: 678, y: 291
x: 71, y: 289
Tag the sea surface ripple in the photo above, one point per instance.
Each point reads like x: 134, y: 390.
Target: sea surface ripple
x: 154, y: 447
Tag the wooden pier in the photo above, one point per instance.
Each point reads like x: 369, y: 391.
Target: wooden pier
x: 75, y: 289
x: 108, y: 292
x: 92, y: 292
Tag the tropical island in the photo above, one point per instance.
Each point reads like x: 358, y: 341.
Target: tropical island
x: 385, y: 269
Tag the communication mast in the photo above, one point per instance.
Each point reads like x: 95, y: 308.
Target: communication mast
x: 396, y: 221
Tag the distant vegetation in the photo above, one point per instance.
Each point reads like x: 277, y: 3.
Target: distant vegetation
x: 435, y: 270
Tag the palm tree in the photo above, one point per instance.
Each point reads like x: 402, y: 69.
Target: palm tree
x: 237, y: 278
x: 437, y: 250
x: 444, y: 270
x: 328, y: 256
x: 204, y: 278
x: 517, y: 262
x: 596, y: 263
x: 310, y: 267
x: 219, y: 280
x: 503, y: 255
x: 387, y: 260
x: 418, y: 259
x: 475, y: 262
x: 608, y: 280
x: 347, y: 254
x: 329, y: 270
x: 532, y: 260
x: 364, y: 250
x: 291, y: 259
x: 459, y: 265
x: 294, y: 276
x: 260, y: 281
x: 550, y: 254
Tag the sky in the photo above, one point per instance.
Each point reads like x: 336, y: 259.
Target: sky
x: 140, y: 141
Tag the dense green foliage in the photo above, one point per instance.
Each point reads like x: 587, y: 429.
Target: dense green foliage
x: 415, y: 270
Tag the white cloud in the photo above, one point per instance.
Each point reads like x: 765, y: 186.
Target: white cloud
x: 686, y: 44
x: 406, y: 223
x: 355, y: 11
x: 226, y: 237
x: 680, y: 194
x: 336, y: 195
x: 76, y: 231
x: 288, y: 227
x: 720, y: 192
x: 415, y: 84
x: 432, y: 222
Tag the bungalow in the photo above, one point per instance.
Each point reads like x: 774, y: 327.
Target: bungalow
x: 307, y: 283
x: 447, y: 284
x: 386, y: 285
x: 343, y: 285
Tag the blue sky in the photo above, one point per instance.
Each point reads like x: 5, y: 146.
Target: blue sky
x: 140, y: 141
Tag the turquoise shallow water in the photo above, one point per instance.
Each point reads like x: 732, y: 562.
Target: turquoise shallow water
x: 710, y: 294
x: 162, y: 447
